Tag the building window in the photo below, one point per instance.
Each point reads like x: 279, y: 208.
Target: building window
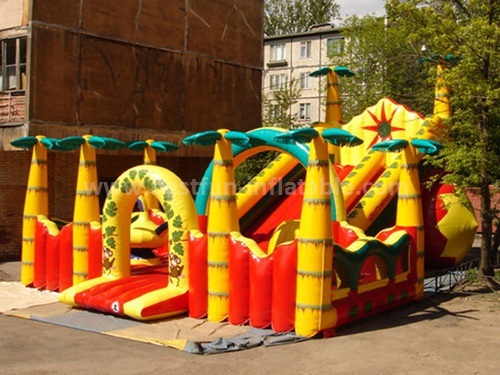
x: 13, y: 64
x: 305, y: 111
x: 275, y: 112
x: 334, y: 47
x: 305, y: 50
x: 278, y: 52
x: 304, y: 81
x: 277, y: 81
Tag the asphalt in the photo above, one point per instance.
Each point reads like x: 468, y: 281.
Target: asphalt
x: 33, y: 347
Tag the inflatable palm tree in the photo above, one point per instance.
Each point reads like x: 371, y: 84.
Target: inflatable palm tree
x: 409, y: 210
x: 314, y: 311
x: 37, y: 199
x: 223, y: 214
x: 86, y: 200
x: 442, y: 106
x: 333, y: 115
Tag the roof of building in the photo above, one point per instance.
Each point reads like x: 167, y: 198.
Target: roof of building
x: 320, y: 29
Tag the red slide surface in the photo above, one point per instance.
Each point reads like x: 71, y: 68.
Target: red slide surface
x: 288, y: 207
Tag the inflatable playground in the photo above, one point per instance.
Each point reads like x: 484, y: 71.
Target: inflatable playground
x: 338, y: 226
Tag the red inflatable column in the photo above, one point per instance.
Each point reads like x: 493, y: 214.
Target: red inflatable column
x: 52, y: 262
x: 66, y: 257
x: 198, y: 277
x: 239, y: 288
x: 41, y: 233
x: 261, y: 290
x: 284, y: 287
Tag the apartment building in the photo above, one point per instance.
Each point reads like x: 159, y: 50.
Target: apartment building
x: 131, y: 70
x: 293, y: 57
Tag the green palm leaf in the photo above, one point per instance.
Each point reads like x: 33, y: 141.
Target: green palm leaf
x: 106, y: 143
x: 426, y: 146
x: 50, y: 143
x: 24, y: 142
x: 163, y: 146
x: 137, y: 145
x: 206, y: 138
x: 70, y: 143
x: 392, y: 145
x: 342, y: 71
x: 321, y: 72
x: 341, y: 137
x: 303, y: 135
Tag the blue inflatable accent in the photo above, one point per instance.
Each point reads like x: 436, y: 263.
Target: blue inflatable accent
x: 297, y: 150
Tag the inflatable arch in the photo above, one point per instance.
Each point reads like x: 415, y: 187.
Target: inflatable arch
x: 149, y: 300
x: 294, y: 153
x: 174, y: 196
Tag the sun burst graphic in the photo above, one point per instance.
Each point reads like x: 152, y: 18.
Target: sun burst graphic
x: 382, y: 127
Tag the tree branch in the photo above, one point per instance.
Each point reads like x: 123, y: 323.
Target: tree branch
x: 462, y: 7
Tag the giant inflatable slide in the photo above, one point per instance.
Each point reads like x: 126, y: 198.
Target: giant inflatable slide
x: 340, y: 224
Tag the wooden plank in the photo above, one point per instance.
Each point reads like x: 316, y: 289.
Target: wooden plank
x: 12, y: 12
x: 12, y: 107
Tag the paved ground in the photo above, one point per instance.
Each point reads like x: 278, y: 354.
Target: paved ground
x: 446, y: 334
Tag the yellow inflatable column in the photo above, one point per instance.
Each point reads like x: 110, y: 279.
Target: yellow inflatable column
x: 36, y: 203
x: 222, y: 219
x: 314, y: 311
x: 442, y: 106
x: 86, y: 209
x: 333, y: 116
x: 409, y: 211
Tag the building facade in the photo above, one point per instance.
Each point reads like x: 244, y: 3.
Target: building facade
x: 291, y: 58
x: 131, y: 70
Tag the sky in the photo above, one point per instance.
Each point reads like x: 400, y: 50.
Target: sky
x: 361, y: 7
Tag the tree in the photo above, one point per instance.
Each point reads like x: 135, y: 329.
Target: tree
x: 278, y: 113
x: 383, y: 54
x: 471, y: 30
x: 384, y: 62
x: 294, y: 16
x: 278, y: 108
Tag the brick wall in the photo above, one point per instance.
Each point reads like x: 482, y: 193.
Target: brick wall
x: 475, y: 199
x: 14, y: 167
x: 62, y: 175
x: 167, y: 66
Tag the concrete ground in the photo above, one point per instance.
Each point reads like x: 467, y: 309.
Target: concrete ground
x: 447, y: 334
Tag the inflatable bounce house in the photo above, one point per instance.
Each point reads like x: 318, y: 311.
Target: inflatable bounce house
x: 339, y: 226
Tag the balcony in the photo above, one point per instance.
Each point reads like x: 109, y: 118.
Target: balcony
x: 277, y: 63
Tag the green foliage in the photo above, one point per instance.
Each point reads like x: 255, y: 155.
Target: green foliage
x: 168, y: 196
x: 252, y: 166
x: 110, y: 231
x: 384, y: 62
x: 472, y: 275
x: 111, y: 243
x: 471, y: 138
x: 178, y: 249
x: 126, y: 186
x: 111, y: 209
x: 294, y: 16
x: 149, y: 183
x: 169, y: 211
x: 177, y: 223
x: 177, y: 235
x: 278, y: 107
x: 160, y: 184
